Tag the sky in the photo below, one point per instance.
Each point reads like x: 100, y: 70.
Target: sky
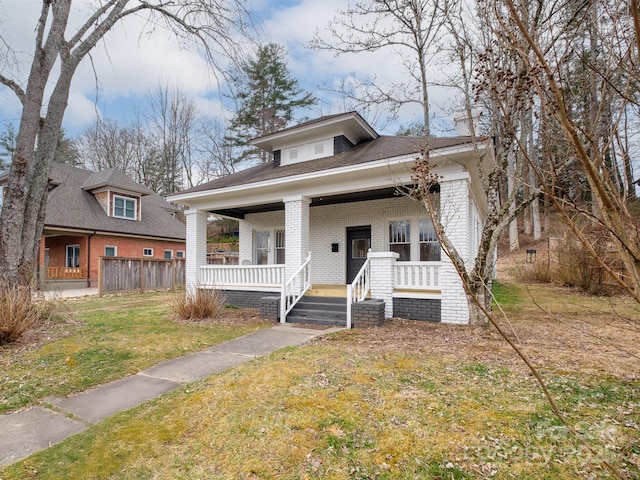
x: 127, y: 66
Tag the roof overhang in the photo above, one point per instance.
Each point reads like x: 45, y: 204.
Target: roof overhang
x: 340, y: 184
x: 351, y: 125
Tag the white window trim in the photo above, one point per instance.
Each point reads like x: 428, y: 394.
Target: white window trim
x: 182, y: 252
x: 115, y: 250
x: 272, y: 247
x: 147, y: 254
x: 125, y: 199
x: 66, y: 254
x: 414, y: 233
x: 164, y: 255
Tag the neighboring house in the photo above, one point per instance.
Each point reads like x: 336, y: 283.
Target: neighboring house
x: 90, y: 215
x: 326, y: 215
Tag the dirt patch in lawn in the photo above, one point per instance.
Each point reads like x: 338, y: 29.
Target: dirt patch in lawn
x: 585, y: 344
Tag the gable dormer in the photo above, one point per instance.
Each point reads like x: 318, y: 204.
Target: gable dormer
x: 118, y: 195
x: 324, y: 137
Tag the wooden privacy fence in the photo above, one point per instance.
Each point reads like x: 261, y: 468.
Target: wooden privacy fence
x: 122, y: 274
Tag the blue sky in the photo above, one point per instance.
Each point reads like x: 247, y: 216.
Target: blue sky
x: 129, y: 67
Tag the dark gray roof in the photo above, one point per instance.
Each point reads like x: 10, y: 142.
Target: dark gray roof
x: 71, y: 206
x: 115, y: 179
x: 370, y: 151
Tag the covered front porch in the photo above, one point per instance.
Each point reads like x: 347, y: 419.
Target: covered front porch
x: 366, y: 250
x: 406, y: 289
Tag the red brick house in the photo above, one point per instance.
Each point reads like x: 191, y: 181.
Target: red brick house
x: 90, y: 215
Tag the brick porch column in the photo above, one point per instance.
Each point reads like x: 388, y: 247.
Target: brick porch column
x: 455, y: 217
x: 382, y: 278
x: 296, y: 232
x: 196, y: 247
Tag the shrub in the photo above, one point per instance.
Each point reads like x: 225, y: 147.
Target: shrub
x: 18, y: 312
x: 538, y: 271
x: 577, y: 268
x: 207, y: 303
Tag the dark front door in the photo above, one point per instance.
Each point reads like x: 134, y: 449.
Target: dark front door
x: 358, y: 244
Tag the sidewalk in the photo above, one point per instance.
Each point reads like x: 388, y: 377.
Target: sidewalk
x: 36, y: 428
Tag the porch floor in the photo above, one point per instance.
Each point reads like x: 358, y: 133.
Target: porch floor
x: 319, y: 290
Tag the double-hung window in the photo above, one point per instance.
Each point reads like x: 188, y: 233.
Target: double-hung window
x: 414, y: 239
x: 124, y: 207
x: 429, y: 245
x: 400, y: 238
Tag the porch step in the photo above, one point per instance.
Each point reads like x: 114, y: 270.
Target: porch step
x: 319, y: 311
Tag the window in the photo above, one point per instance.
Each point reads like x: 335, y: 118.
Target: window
x: 124, y: 207
x: 280, y: 246
x: 110, y: 251
x: 73, y: 256
x: 400, y: 239
x: 147, y: 252
x: 269, y: 247
x: 429, y: 245
x: 168, y: 254
x: 263, y: 240
x: 179, y: 253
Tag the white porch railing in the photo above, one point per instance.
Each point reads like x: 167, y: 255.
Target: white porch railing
x: 358, y: 289
x: 417, y: 276
x: 294, y: 289
x: 242, y: 277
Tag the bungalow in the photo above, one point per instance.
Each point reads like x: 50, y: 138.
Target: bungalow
x: 325, y: 217
x: 105, y: 213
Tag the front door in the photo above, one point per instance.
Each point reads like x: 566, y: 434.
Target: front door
x: 358, y: 244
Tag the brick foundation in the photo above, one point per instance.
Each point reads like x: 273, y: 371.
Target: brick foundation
x: 368, y: 313
x: 270, y: 308
x: 424, y: 309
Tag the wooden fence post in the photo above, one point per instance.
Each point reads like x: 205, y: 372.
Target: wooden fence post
x: 100, y: 273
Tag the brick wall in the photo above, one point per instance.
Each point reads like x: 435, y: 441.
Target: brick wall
x: 368, y: 313
x: 417, y: 309
x: 95, y: 245
x: 244, y: 298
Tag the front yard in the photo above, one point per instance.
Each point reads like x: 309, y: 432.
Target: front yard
x: 405, y: 401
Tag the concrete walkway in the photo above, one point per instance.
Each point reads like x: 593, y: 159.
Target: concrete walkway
x: 36, y: 428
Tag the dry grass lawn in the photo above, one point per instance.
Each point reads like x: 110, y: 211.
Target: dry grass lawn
x: 408, y: 400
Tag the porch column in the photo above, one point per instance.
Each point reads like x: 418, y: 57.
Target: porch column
x: 196, y: 248
x: 245, y: 249
x: 381, y: 282
x: 296, y: 232
x: 454, y: 214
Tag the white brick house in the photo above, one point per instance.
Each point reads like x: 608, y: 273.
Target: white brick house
x: 326, y: 213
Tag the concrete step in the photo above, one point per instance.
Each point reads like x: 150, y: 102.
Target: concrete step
x: 315, y: 321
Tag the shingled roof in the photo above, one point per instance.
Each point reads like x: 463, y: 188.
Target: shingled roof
x: 71, y: 205
x: 377, y: 149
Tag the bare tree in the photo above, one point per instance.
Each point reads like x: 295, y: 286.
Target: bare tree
x: 410, y: 27
x: 104, y: 145
x: 612, y: 75
x: 64, y: 45
x: 172, y: 123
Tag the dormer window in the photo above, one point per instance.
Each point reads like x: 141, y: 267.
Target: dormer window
x: 124, y: 207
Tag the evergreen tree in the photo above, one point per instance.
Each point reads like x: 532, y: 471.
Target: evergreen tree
x: 267, y: 97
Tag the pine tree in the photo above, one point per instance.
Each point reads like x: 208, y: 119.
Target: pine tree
x: 267, y: 98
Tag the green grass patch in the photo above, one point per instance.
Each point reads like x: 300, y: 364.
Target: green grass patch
x: 105, y: 339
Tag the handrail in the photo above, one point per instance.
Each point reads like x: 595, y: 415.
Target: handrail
x: 359, y: 288
x: 299, y: 283
x: 417, y: 275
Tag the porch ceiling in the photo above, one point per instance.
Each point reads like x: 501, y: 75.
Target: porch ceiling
x: 240, y: 213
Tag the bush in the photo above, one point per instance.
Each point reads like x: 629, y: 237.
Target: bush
x: 538, y: 271
x: 577, y: 268
x: 205, y: 304
x: 18, y: 312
